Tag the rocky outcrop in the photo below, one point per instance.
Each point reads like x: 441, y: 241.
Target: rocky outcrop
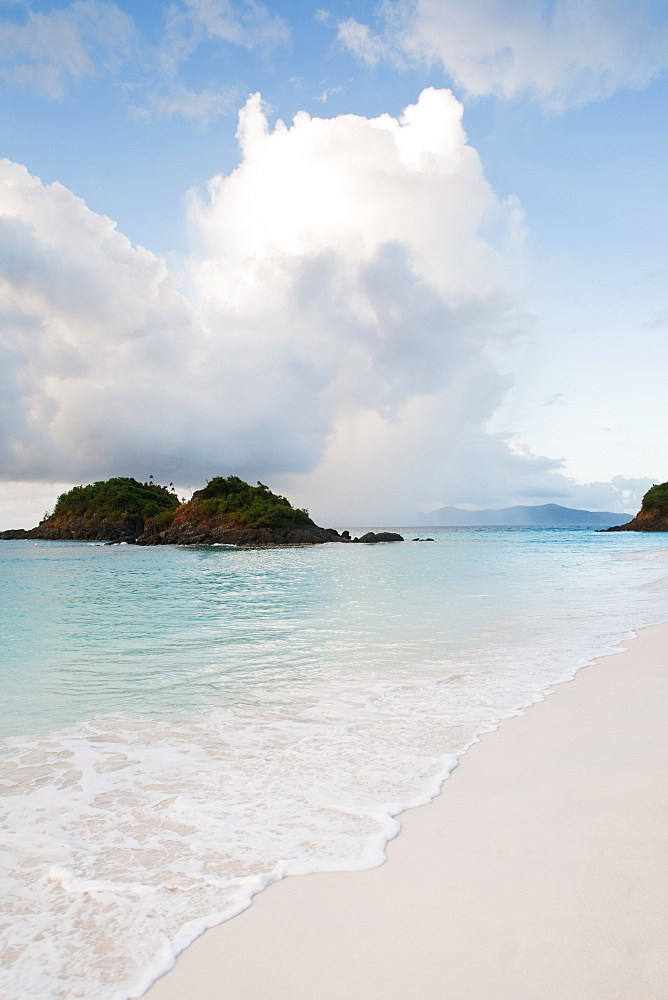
x: 67, y: 528
x: 13, y: 533
x: 118, y: 509
x: 380, y: 536
x: 227, y: 511
x: 653, y: 515
x: 193, y: 526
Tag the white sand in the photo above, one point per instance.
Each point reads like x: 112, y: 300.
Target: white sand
x: 540, y: 872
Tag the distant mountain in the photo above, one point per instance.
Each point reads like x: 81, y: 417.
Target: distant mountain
x: 549, y: 515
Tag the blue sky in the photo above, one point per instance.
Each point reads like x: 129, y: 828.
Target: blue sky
x: 479, y: 318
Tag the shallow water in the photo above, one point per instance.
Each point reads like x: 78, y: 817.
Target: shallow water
x: 183, y: 726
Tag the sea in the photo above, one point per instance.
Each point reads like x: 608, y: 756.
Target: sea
x: 183, y: 726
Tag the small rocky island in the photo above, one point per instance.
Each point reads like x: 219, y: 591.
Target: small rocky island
x: 231, y: 512
x: 653, y: 515
x: 227, y: 511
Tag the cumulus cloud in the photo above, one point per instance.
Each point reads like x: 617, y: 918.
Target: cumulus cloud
x: 334, y: 333
x: 51, y: 51
x: 562, y: 53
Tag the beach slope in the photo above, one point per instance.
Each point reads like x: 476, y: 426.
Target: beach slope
x: 540, y: 871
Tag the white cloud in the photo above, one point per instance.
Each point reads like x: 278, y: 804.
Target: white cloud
x: 202, y: 106
x: 93, y: 336
x: 367, y: 45
x: 620, y: 494
x: 329, y: 92
x: 247, y: 24
x: 562, y: 53
x: 342, y: 307
x: 51, y: 51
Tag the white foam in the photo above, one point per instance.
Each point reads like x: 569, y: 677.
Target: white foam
x: 133, y: 836
x: 125, y: 838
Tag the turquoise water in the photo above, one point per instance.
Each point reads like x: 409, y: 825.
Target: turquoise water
x: 182, y: 726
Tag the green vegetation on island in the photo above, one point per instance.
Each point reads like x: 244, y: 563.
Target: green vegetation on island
x: 118, y: 499
x: 118, y: 509
x: 653, y: 515
x: 249, y: 505
x: 656, y: 497
x: 227, y: 511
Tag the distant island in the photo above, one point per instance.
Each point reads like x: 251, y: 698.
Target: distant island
x: 547, y: 515
x: 653, y: 515
x: 227, y: 511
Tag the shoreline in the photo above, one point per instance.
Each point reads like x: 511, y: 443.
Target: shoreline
x: 538, y: 870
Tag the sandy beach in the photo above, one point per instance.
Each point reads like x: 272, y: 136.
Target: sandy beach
x: 541, y: 871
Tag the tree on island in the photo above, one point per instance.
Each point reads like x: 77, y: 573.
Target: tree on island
x: 653, y: 515
x: 226, y: 511
x: 117, y: 499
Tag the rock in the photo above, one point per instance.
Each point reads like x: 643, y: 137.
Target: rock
x: 381, y: 536
x: 227, y: 511
x: 231, y: 512
x: 112, y: 510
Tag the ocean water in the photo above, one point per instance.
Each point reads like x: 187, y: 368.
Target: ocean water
x: 183, y: 726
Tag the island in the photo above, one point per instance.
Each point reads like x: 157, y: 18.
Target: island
x: 653, y: 514
x: 116, y: 510
x: 228, y: 511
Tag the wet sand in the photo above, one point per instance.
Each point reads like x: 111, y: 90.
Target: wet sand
x: 539, y: 873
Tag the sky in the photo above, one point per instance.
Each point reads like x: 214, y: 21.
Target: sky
x: 383, y: 257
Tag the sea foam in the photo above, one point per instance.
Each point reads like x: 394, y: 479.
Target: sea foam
x: 126, y: 835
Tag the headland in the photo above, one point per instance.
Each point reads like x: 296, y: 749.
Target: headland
x: 653, y: 515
